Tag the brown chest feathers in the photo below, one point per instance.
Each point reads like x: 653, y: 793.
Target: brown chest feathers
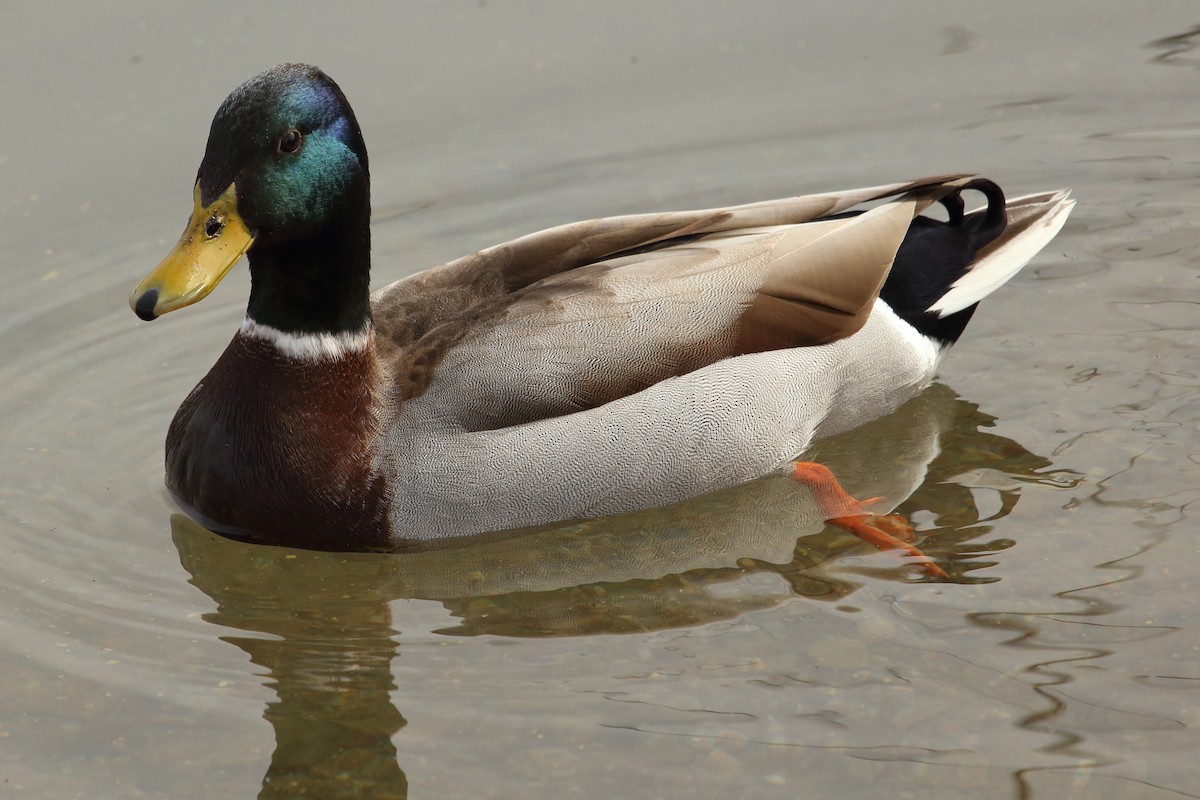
x: 279, y: 449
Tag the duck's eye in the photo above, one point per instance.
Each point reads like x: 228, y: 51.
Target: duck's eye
x: 213, y: 226
x: 290, y: 141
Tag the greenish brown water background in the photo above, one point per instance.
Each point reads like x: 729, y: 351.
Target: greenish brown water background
x: 730, y: 647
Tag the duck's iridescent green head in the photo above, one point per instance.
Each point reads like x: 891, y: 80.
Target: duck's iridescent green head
x: 285, y: 162
x: 289, y: 141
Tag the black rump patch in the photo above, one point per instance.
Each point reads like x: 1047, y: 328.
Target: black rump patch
x: 935, y: 254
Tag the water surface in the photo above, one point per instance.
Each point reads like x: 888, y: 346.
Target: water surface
x: 731, y: 646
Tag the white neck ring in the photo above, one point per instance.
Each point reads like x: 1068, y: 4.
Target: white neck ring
x: 309, y: 346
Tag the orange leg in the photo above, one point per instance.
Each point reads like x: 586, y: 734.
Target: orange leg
x: 845, y: 512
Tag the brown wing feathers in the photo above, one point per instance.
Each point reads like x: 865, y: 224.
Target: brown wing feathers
x: 827, y: 275
x: 823, y: 281
x: 521, y: 262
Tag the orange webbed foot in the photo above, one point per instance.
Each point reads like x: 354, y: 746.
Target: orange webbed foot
x: 889, y: 532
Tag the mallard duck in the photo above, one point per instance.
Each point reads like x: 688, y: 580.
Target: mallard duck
x: 586, y: 370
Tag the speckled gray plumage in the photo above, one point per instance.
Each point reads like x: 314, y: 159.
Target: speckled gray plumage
x: 724, y: 424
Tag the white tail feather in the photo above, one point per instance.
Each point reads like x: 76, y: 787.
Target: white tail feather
x: 1005, y: 260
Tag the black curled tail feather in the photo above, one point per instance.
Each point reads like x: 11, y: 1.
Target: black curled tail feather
x: 935, y: 254
x: 990, y: 221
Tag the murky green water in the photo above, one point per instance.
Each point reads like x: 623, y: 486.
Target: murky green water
x: 729, y: 647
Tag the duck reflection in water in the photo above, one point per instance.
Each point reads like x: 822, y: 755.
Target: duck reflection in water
x: 330, y: 636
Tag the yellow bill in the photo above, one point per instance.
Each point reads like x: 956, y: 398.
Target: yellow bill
x: 214, y: 240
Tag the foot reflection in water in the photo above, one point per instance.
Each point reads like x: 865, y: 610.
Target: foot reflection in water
x: 321, y: 625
